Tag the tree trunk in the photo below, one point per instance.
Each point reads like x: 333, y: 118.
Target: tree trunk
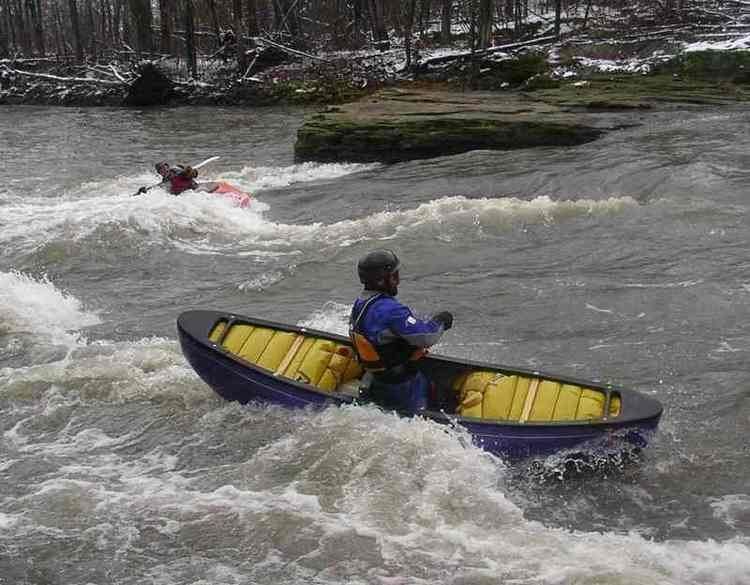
x: 166, y: 15
x: 91, y: 25
x: 35, y: 8
x: 192, y: 58
x: 214, y: 18
x: 485, y: 23
x: 408, y: 25
x: 286, y: 16
x: 252, y: 18
x: 239, y: 36
x: 22, y: 28
x: 377, y: 17
x: 558, y: 13
x: 586, y: 15
x: 76, y: 30
x: 357, y: 24
x: 445, y: 22
x: 4, y: 30
x: 424, y: 16
x: 115, y: 26
x: 59, y: 31
x: 140, y: 12
x: 125, y: 22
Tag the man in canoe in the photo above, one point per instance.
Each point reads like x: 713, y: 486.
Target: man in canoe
x: 388, y: 338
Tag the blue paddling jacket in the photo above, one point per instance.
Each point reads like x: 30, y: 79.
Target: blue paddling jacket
x: 386, y: 335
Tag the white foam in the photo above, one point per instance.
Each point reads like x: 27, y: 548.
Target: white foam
x: 732, y: 509
x: 30, y: 221
x: 200, y: 223
x: 35, y: 305
x: 259, y: 178
x: 332, y: 317
x: 389, y: 495
x: 149, y: 369
x: 7, y: 521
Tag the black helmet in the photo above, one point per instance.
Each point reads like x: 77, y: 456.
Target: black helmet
x: 373, y: 267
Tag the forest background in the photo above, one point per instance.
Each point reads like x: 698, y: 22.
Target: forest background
x: 365, y: 42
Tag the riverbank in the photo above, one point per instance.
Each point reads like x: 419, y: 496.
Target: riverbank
x: 533, y: 104
x: 375, y: 109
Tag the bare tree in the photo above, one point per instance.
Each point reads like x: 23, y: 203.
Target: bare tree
x: 446, y: 15
x: 140, y: 13
x: 166, y: 20
x: 485, y: 17
x: 5, y: 28
x: 408, y: 25
x: 35, y: 12
x: 252, y: 18
x: 558, y: 12
x: 377, y: 18
x: 192, y: 58
x: 239, y: 35
x: 72, y: 4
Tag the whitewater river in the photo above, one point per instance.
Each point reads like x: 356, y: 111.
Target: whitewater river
x: 623, y: 260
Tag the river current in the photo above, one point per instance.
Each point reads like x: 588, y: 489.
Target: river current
x: 623, y: 260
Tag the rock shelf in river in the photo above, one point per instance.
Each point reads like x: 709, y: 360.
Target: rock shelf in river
x: 402, y: 124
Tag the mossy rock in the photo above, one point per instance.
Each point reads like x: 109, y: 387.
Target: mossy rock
x: 623, y: 91
x: 727, y: 65
x: 541, y: 81
x: 512, y: 72
x: 399, y: 141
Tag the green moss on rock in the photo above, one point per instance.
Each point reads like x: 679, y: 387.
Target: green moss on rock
x: 728, y: 65
x: 624, y: 91
x: 394, y: 129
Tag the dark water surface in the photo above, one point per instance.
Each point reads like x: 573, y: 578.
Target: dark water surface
x: 623, y: 260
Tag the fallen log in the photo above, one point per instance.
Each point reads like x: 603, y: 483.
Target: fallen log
x: 489, y: 51
x: 65, y: 79
x: 289, y: 49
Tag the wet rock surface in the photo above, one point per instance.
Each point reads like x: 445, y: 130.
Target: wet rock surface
x: 397, y: 124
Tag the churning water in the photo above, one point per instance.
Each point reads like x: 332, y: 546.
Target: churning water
x: 623, y: 260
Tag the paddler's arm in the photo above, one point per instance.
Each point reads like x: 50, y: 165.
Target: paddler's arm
x: 416, y: 332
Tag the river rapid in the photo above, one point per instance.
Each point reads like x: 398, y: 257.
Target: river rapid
x: 622, y: 260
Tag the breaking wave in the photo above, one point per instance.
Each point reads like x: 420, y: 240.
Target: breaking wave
x: 37, y: 306
x: 198, y: 223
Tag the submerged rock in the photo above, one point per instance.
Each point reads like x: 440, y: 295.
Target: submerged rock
x: 395, y: 125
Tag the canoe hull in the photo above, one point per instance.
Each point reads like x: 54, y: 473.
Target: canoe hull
x: 236, y: 380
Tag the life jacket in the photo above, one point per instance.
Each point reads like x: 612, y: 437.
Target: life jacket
x: 179, y: 183
x: 380, y: 357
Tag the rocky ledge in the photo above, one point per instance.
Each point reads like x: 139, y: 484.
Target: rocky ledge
x: 399, y: 124
x: 430, y: 120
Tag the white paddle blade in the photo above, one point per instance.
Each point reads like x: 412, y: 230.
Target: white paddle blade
x: 205, y: 162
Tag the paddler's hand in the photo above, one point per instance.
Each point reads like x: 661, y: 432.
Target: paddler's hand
x: 445, y: 318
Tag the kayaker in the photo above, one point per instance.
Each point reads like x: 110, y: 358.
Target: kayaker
x: 179, y: 178
x: 389, y: 339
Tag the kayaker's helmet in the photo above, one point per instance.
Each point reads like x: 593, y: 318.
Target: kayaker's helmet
x: 162, y: 168
x: 377, y: 270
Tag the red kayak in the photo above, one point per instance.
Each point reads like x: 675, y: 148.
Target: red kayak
x: 229, y: 191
